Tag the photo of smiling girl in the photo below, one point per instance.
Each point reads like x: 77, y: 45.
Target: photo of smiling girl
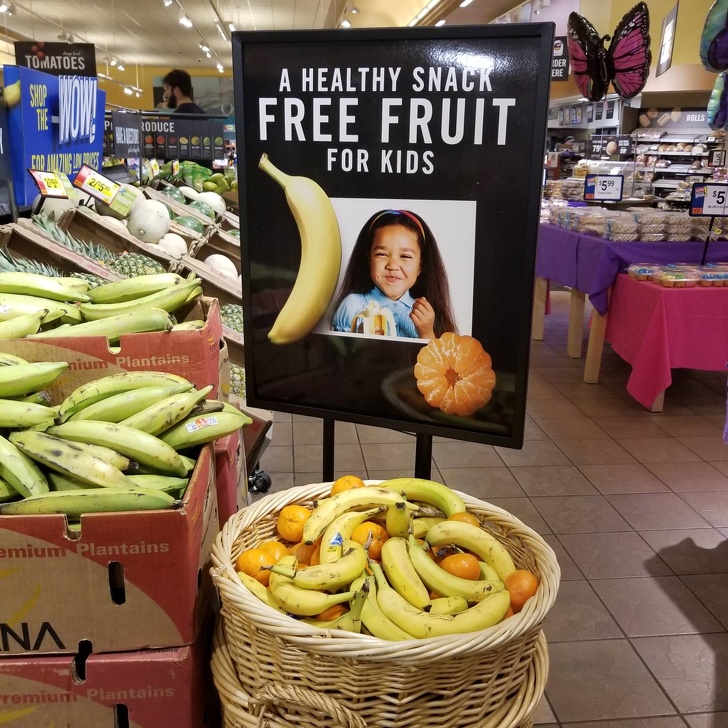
x: 395, y: 283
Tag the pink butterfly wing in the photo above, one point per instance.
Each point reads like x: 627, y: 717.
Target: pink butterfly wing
x: 586, y: 49
x: 629, y: 54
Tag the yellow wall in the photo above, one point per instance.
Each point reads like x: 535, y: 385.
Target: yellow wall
x: 115, y: 94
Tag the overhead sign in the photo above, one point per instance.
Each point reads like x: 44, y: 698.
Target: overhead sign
x: 56, y: 124
x: 407, y: 157
x: 172, y: 138
x: 58, y: 59
x: 667, y: 41
x: 126, y: 134
x: 560, y: 60
x: 675, y: 118
x: 611, y: 144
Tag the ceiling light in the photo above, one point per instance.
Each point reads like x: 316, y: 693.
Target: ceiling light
x: 121, y: 64
x: 536, y: 7
x: 4, y: 7
x: 465, y: 3
x: 354, y: 10
x: 220, y: 67
x: 345, y: 24
x: 231, y: 27
x: 412, y: 22
x: 221, y: 31
x: 167, y: 3
x: 128, y: 91
x: 183, y: 19
x: 204, y: 47
x: 113, y: 62
x: 137, y: 94
x: 208, y: 54
x: 439, y: 23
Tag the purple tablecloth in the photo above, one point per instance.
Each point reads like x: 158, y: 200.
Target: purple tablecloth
x: 591, y: 264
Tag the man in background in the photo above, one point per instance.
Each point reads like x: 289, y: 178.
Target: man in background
x: 178, y: 93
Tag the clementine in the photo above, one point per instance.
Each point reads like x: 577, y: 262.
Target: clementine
x: 303, y: 552
x: 252, y: 561
x: 275, y: 548
x: 290, y: 522
x: 346, y: 482
x: 465, y: 566
x: 378, y: 536
x: 465, y: 517
x: 333, y: 612
x: 521, y: 585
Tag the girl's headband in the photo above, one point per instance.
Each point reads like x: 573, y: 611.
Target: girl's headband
x: 400, y: 212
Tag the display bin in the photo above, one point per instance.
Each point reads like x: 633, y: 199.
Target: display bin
x: 380, y: 683
x: 218, y: 241
x: 242, y: 710
x: 177, y: 207
x: 91, y: 228
x: 25, y: 240
x: 193, y: 354
x: 126, y: 581
x: 230, y: 220
x: 144, y: 689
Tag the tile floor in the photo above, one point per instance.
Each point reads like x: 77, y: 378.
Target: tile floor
x: 635, y: 505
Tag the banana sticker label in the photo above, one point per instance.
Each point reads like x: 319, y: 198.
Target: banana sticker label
x: 200, y: 423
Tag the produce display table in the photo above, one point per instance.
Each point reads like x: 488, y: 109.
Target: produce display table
x: 589, y: 266
x: 656, y: 329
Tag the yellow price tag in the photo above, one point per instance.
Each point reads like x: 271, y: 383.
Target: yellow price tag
x: 96, y: 184
x: 48, y: 183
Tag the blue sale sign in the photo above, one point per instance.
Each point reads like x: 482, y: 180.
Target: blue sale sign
x: 56, y: 125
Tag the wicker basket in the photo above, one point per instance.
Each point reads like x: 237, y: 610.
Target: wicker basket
x: 241, y: 710
x: 456, y: 681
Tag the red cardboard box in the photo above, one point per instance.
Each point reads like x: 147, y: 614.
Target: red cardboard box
x: 229, y: 462
x: 127, y: 581
x: 149, y: 689
x: 194, y: 355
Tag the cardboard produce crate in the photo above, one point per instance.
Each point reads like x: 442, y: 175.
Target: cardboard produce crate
x: 230, y: 220
x: 149, y: 689
x: 25, y: 240
x: 218, y: 241
x: 176, y: 207
x: 91, y: 228
x: 194, y: 355
x: 126, y: 581
x: 231, y: 476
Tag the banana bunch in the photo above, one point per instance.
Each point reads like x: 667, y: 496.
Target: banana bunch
x: 37, y: 306
x: 403, y: 593
x: 123, y: 442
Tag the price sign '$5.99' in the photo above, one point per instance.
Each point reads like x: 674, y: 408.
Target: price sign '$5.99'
x: 709, y: 200
x: 603, y: 187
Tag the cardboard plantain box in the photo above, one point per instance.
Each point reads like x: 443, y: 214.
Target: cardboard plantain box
x: 194, y: 355
x: 149, y: 689
x: 177, y: 207
x: 127, y: 581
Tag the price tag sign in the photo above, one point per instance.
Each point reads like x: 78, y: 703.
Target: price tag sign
x: 49, y: 183
x: 603, y: 187
x: 98, y: 186
x: 154, y: 164
x: 709, y: 200
x: 716, y: 158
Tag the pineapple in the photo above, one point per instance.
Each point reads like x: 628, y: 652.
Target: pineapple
x: 130, y: 265
x: 237, y: 380
x: 232, y: 316
x: 8, y: 263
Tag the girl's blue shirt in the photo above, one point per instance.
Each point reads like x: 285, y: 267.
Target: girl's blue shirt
x: 355, y: 302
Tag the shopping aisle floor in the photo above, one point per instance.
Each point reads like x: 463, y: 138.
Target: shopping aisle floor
x: 635, y: 505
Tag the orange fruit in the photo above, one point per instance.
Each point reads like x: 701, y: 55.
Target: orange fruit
x: 315, y: 559
x: 379, y: 535
x: 333, y: 612
x: 434, y: 595
x: 455, y: 374
x: 509, y: 613
x: 521, y: 585
x: 463, y: 565
x: 275, y: 548
x: 346, y: 482
x: 252, y: 561
x: 465, y: 518
x: 441, y: 552
x: 290, y: 522
x: 302, y: 552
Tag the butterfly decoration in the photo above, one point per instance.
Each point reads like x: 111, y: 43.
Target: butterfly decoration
x: 714, y: 39
x: 625, y: 64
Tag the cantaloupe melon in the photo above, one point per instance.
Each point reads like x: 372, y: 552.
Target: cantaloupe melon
x: 149, y: 221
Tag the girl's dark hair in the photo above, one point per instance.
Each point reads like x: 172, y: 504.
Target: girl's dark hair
x: 432, y: 280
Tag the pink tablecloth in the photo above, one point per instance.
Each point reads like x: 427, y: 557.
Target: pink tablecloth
x: 656, y: 329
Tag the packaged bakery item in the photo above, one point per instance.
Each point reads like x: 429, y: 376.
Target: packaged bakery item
x: 712, y: 276
x: 671, y: 277
x: 641, y: 271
